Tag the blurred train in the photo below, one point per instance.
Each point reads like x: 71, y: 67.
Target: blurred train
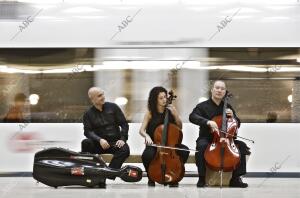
x: 52, y: 52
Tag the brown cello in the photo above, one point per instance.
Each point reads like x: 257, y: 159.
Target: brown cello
x: 167, y: 166
x: 223, y: 156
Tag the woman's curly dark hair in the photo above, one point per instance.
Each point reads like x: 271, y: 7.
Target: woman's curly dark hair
x: 152, y: 99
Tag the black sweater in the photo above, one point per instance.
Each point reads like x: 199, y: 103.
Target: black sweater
x: 204, y: 112
x: 109, y: 124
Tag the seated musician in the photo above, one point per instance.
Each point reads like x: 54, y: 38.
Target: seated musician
x: 106, y: 129
x: 157, y: 105
x: 202, y: 115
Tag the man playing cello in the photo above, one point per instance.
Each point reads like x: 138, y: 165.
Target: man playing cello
x: 202, y: 115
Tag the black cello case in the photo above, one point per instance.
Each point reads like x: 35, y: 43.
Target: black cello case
x: 62, y: 167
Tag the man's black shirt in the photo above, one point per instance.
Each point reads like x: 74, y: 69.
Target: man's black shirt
x: 105, y: 124
x: 204, y: 112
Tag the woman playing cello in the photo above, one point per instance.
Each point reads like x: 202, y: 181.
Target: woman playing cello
x: 154, y: 117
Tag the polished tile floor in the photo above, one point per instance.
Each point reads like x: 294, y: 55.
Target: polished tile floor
x: 26, y: 187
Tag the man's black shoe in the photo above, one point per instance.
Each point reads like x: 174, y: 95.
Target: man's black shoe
x: 111, y: 177
x: 173, y: 185
x: 102, y: 185
x: 201, y: 182
x: 151, y: 183
x: 237, y: 183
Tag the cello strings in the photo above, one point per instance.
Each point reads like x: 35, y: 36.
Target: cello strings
x: 238, y: 136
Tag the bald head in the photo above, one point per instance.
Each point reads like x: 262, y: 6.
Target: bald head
x: 96, y: 95
x: 94, y: 91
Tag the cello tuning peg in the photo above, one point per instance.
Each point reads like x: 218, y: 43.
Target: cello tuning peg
x: 229, y: 94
